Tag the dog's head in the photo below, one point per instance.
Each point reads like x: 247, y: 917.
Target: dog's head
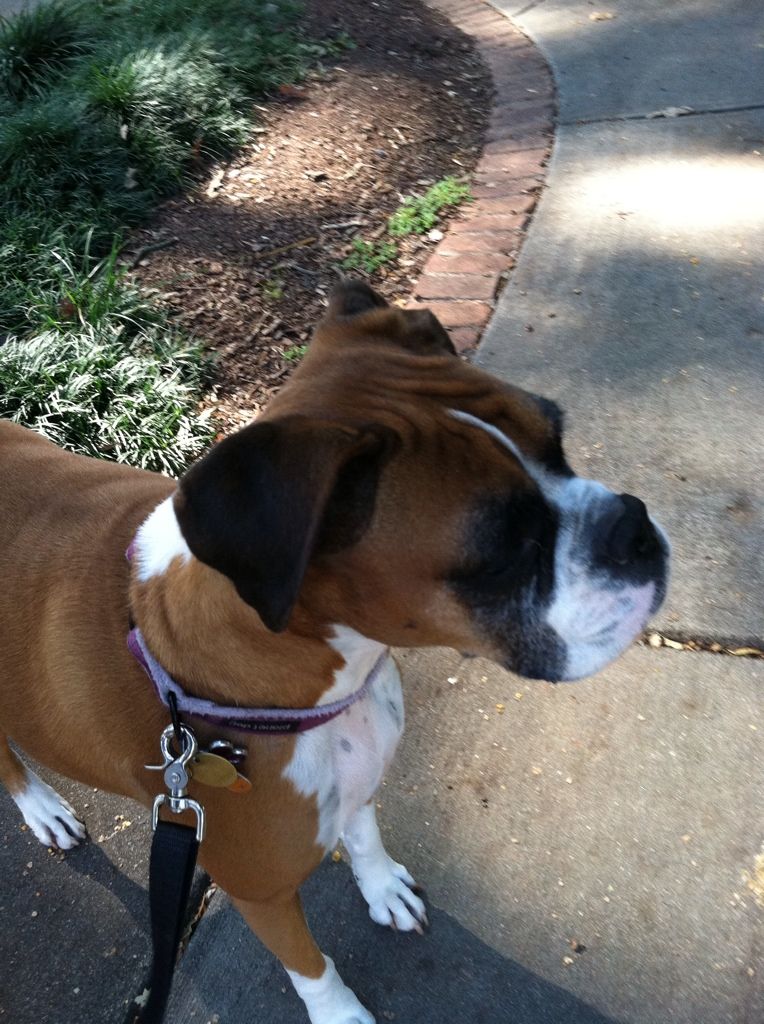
x: 397, y: 490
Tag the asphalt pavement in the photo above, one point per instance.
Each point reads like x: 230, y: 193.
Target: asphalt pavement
x: 589, y: 851
x: 74, y: 928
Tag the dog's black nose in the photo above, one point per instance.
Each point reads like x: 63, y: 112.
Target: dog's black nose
x: 628, y: 534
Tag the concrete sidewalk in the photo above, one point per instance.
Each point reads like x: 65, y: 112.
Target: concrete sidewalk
x: 587, y: 850
x: 638, y: 300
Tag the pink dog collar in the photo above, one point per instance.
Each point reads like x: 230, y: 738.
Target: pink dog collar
x: 273, y: 721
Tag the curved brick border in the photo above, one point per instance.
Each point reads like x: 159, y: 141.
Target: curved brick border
x: 461, y: 279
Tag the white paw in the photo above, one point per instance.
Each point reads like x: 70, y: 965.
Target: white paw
x: 355, y: 1014
x: 342, y: 1008
x: 388, y: 889
x: 328, y: 1000
x: 48, y: 815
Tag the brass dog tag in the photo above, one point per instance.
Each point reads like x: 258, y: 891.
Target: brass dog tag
x: 213, y: 770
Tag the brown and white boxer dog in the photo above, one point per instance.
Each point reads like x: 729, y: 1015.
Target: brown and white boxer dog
x: 391, y: 495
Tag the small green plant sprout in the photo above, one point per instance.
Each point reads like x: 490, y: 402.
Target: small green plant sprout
x: 418, y: 215
x: 273, y: 289
x: 369, y: 256
x: 294, y: 353
x: 333, y: 46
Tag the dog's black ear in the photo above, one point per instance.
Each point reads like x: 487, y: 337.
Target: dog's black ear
x: 352, y: 297
x: 417, y: 330
x: 425, y: 334
x: 263, y: 501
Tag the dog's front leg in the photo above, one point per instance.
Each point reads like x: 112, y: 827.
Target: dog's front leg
x: 52, y: 820
x: 386, y: 886
x: 280, y: 924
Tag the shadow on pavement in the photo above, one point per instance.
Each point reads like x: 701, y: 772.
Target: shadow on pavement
x: 74, y: 944
x: 447, y: 975
x: 91, y: 863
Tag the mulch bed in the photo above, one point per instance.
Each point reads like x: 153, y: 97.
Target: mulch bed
x: 259, y: 242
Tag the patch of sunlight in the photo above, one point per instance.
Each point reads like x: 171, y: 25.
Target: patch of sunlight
x: 685, y: 197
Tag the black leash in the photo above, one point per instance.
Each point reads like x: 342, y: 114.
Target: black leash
x: 174, y: 849
x: 171, y: 868
x: 173, y: 859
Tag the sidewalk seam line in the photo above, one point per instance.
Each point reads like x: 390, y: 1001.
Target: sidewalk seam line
x: 528, y: 7
x: 618, y: 118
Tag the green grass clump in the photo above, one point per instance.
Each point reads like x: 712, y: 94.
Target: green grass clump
x: 92, y: 393
x: 417, y: 215
x: 35, y: 44
x: 369, y: 256
x: 72, y: 293
x: 106, y: 106
x: 101, y: 372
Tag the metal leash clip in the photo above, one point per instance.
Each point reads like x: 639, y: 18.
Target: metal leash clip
x: 176, y: 777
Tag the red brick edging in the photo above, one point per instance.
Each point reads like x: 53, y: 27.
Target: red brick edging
x: 462, y: 277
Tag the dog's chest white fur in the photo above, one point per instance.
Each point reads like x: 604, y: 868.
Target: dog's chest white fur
x: 342, y: 763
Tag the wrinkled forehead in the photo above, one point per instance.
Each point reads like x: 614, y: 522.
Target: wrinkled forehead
x: 451, y: 457
x: 447, y: 413
x: 523, y: 426
x: 544, y: 464
x: 537, y: 459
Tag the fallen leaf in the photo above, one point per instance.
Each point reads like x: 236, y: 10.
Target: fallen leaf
x: 671, y: 112
x: 755, y: 879
x: 143, y: 998
x: 293, y: 92
x: 215, y: 182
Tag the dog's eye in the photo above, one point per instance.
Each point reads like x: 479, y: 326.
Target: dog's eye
x: 513, y: 547
x: 494, y: 570
x: 523, y: 559
x: 532, y: 550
